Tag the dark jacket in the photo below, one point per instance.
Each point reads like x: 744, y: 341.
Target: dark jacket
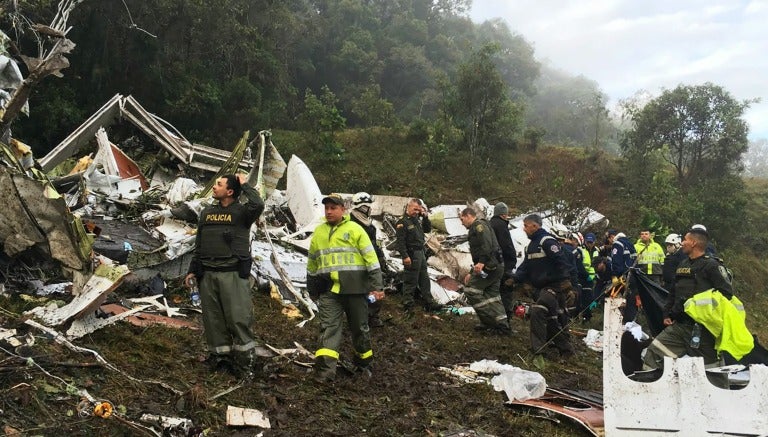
x: 671, y: 262
x: 623, y: 255
x: 223, y: 233
x: 508, y: 253
x: 578, y: 272
x: 483, y: 245
x: 694, y: 276
x: 370, y: 229
x: 544, y: 262
x: 410, y: 234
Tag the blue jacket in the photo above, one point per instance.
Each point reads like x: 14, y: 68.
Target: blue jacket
x: 623, y: 255
x: 544, y: 262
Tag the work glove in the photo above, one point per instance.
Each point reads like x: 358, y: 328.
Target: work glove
x: 616, y: 281
x: 593, y: 305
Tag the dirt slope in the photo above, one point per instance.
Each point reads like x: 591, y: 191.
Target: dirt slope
x: 407, y: 395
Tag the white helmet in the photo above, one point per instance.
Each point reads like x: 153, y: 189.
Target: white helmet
x: 560, y: 231
x: 361, y: 198
x: 672, y: 239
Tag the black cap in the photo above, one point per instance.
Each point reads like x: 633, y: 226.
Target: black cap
x: 334, y: 198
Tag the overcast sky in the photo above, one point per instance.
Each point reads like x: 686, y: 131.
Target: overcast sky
x: 626, y: 45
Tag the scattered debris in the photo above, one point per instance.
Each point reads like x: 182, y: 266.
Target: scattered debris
x: 584, y: 408
x: 237, y: 416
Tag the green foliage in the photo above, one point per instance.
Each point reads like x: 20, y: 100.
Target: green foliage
x: 322, y: 120
x: 572, y: 109
x: 480, y: 106
x: 683, y: 156
x: 373, y: 110
x: 440, y: 138
x: 533, y: 136
x: 700, y: 128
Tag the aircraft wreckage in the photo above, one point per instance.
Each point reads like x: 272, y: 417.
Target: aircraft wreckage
x: 92, y: 217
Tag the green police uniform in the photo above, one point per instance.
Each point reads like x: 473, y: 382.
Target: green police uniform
x: 222, y: 263
x: 692, y: 277
x: 342, y: 268
x: 483, y: 293
x: 410, y: 243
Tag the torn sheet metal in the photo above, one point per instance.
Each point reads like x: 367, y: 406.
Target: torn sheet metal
x: 237, y: 416
x: 91, y: 323
x: 585, y: 409
x: 129, y: 182
x: 9, y: 336
x: 303, y: 194
x: 10, y: 74
x: 123, y: 108
x: 455, y: 262
x: 445, y: 218
x: 143, y: 318
x: 39, y: 217
x: 171, y: 426
x: 271, y: 166
x: 104, y: 280
x: 160, y: 306
x: 181, y: 189
x: 294, y: 263
x: 684, y: 401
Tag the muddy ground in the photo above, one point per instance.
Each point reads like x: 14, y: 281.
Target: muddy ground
x: 407, y: 395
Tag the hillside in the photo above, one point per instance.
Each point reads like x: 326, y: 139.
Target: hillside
x: 160, y: 369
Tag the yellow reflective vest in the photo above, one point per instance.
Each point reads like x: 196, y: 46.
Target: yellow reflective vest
x: 725, y: 319
x: 650, y: 257
x: 586, y: 259
x: 342, y: 260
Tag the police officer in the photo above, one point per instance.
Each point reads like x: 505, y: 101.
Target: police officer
x: 410, y: 230
x: 342, y: 270
x: 696, y: 273
x: 221, y: 264
x: 547, y: 270
x: 500, y: 225
x: 484, y: 278
x: 362, y: 203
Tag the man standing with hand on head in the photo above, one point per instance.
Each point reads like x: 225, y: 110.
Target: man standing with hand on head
x: 410, y: 230
x: 221, y: 265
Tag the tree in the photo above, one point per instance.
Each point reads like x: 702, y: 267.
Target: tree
x: 756, y: 159
x: 480, y: 105
x: 699, y: 129
x: 572, y: 108
x: 322, y: 119
x: 53, y: 47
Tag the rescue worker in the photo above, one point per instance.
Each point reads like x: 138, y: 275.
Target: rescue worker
x: 547, y: 270
x: 221, y: 266
x: 483, y: 280
x: 576, y: 268
x: 361, y: 214
x: 342, y: 271
x: 623, y: 257
x: 673, y: 259
x: 589, y: 244
x: 586, y: 278
x: 696, y: 273
x: 650, y: 256
x: 410, y: 230
x: 500, y: 225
